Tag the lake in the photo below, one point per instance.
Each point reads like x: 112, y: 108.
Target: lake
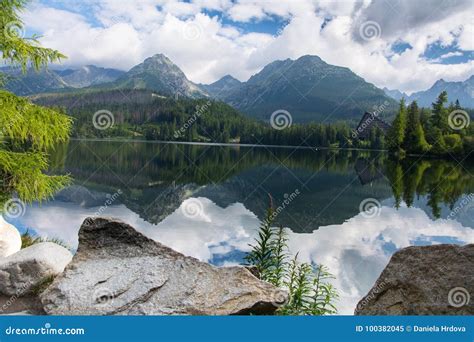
x: 349, y: 210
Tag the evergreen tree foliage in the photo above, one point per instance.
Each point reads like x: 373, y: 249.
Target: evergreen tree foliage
x: 27, y: 130
x: 396, y: 134
x: 415, y: 136
x: 439, y: 117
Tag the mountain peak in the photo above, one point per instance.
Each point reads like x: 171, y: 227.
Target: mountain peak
x: 159, y: 56
x: 159, y: 73
x: 222, y: 86
x: 229, y: 78
x: 310, y: 58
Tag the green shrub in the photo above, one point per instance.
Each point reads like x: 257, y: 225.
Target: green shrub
x: 28, y: 239
x: 307, y: 285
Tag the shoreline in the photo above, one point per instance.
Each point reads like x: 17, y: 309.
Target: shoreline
x: 314, y: 148
x: 226, y: 144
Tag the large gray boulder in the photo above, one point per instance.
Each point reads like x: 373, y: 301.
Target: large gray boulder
x: 428, y: 280
x: 23, y: 271
x: 118, y: 271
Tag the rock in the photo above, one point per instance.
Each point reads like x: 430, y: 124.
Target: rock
x: 27, y: 305
x: 427, y: 280
x: 10, y: 238
x: 118, y: 271
x: 22, y: 271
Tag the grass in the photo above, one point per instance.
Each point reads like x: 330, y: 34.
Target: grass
x: 28, y: 239
x: 42, y: 285
x: 308, y: 286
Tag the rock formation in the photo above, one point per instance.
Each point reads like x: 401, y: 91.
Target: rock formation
x: 424, y: 280
x: 23, y: 271
x: 118, y: 271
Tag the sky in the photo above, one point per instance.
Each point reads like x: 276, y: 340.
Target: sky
x: 398, y: 44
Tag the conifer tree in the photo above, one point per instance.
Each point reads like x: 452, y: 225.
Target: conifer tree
x: 396, y: 135
x: 27, y: 130
x: 415, y: 136
x: 439, y: 117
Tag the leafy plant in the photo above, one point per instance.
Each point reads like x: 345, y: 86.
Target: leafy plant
x: 308, y: 286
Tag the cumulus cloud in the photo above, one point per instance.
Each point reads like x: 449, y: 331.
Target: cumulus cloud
x: 209, y: 39
x: 399, y: 16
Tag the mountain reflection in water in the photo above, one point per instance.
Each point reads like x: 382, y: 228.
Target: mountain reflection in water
x: 155, y: 182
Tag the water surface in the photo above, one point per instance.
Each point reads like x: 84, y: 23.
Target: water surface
x: 208, y: 201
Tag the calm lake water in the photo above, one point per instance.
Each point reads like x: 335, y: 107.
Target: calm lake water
x: 208, y: 201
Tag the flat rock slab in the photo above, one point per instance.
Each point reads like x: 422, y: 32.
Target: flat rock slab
x: 425, y: 280
x: 22, y: 271
x: 118, y: 271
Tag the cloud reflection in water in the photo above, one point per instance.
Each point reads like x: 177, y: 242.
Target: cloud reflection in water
x: 355, y: 251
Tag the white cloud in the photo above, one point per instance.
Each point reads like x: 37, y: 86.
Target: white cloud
x: 131, y: 31
x: 245, y: 12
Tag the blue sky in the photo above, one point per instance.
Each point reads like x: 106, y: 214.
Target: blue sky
x: 400, y: 44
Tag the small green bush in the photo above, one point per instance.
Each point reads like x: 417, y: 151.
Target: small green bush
x: 307, y: 285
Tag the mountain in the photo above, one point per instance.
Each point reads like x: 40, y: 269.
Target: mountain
x: 88, y: 75
x: 223, y: 87
x: 395, y: 94
x: 462, y: 91
x: 51, y: 80
x: 310, y: 89
x: 32, y: 82
x: 158, y: 73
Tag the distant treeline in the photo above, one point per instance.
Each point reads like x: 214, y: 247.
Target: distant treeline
x: 144, y: 114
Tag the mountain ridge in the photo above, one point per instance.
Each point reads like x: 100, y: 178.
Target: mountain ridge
x: 457, y: 90
x: 51, y: 80
x: 310, y: 89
